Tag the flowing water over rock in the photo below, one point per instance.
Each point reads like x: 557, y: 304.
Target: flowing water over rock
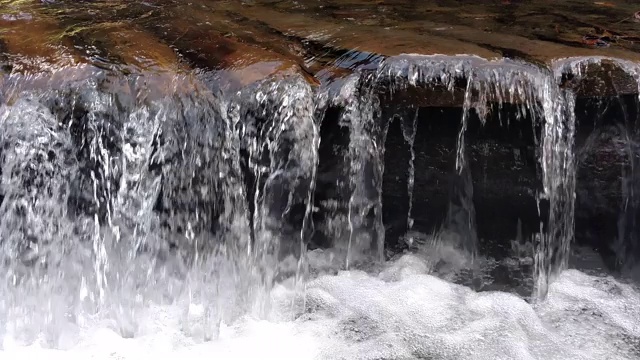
x: 177, y: 181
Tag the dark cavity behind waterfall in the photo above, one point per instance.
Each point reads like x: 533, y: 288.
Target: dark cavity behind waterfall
x: 121, y: 189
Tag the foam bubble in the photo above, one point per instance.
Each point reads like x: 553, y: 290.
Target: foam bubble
x: 401, y: 311
x: 162, y: 338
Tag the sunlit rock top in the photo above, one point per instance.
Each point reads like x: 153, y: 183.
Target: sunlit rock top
x: 250, y: 40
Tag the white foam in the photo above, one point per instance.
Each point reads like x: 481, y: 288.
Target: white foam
x: 162, y: 338
x: 400, y: 312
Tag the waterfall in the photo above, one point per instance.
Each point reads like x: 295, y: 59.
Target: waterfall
x: 147, y: 191
x: 535, y: 90
x: 278, y: 133
x: 121, y: 189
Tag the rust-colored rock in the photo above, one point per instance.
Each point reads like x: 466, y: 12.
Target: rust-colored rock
x: 383, y: 41
x: 135, y: 47
x: 237, y: 62
x: 33, y: 43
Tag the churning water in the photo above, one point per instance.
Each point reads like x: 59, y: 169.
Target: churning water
x: 152, y: 216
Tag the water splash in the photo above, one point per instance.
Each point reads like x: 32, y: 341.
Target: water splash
x: 537, y: 91
x: 365, y: 168
x: 117, y: 193
x: 36, y: 169
x: 277, y: 131
x: 559, y: 165
x: 559, y: 187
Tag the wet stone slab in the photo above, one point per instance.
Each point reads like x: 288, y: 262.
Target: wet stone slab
x: 313, y: 38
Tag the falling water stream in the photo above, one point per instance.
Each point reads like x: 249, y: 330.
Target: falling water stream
x: 409, y: 134
x: 147, y: 215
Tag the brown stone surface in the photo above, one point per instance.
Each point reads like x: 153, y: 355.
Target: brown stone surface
x: 245, y: 41
x: 33, y: 42
x: 343, y: 35
x: 135, y: 47
x: 540, y: 30
x: 198, y: 39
